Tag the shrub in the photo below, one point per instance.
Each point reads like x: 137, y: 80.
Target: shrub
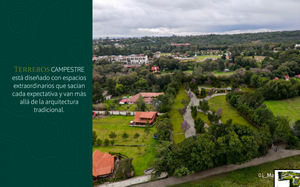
x: 182, y: 171
x: 100, y: 107
x: 106, y: 142
x: 99, y: 142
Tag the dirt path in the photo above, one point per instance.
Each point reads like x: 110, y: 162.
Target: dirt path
x: 271, y: 156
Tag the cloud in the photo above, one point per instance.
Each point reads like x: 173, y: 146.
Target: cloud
x: 136, y: 18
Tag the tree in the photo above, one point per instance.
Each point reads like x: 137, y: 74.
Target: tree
x: 111, y: 84
x: 210, y: 92
x: 112, y: 135
x: 213, y: 117
x: 199, y: 125
x: 203, y: 92
x: 183, y: 101
x: 106, y: 142
x: 234, y: 51
x: 190, y: 95
x: 99, y: 141
x: 185, y: 126
x: 125, y: 136
x: 296, y: 128
x: 194, y: 111
x: 208, y: 81
x: 112, y: 142
x: 140, y: 104
x: 136, y: 136
x: 219, y: 112
x: 203, y: 105
x: 94, y: 137
x: 282, y: 130
x: 97, y: 92
x: 147, y: 128
x: 156, y: 104
x: 124, y: 168
x: 149, y: 53
x: 183, y: 110
x: 221, y: 65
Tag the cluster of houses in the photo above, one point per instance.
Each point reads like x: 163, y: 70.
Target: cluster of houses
x: 288, y: 77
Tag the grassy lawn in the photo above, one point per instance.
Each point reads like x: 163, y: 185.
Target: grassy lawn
x: 208, y: 56
x: 247, y: 176
x: 140, y: 162
x: 119, y: 125
x: 228, y: 112
x: 189, y: 71
x: 165, y: 54
x: 286, y: 107
x: 176, y: 117
x: 204, y: 117
x: 216, y: 73
x: 256, y: 57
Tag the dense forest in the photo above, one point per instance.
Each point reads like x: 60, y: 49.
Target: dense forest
x: 255, y: 41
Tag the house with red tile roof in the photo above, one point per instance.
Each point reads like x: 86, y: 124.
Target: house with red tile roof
x: 147, y: 97
x: 123, y: 101
x: 287, y: 77
x: 103, y: 164
x: 297, y: 76
x: 276, y: 78
x: 141, y: 118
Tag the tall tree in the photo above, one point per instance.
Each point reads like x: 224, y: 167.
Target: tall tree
x: 234, y: 51
x: 97, y: 92
x: 140, y: 104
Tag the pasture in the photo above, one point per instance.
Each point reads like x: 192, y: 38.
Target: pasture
x: 119, y: 125
x: 287, y: 107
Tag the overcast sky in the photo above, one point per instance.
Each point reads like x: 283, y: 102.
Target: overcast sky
x: 137, y: 18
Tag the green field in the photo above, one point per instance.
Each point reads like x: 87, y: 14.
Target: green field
x: 286, y: 107
x: 126, y: 107
x: 216, y: 73
x: 228, y: 112
x: 208, y: 56
x: 189, y: 71
x: 140, y: 162
x: 247, y: 176
x: 119, y: 125
x: 165, y: 54
x: 176, y: 117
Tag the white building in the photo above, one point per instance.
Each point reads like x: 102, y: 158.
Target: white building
x: 135, y: 59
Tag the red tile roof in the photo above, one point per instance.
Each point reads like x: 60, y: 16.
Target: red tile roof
x: 155, y: 68
x: 276, y: 78
x: 287, y: 77
x: 141, y: 117
x: 103, y: 163
x: 123, y: 100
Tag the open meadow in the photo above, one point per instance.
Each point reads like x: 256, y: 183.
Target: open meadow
x: 287, y: 107
x: 119, y: 125
x: 228, y: 112
x: 176, y: 118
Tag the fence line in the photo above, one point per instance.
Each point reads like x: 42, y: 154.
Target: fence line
x: 119, y: 112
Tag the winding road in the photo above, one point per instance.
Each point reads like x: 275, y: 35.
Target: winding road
x: 188, y: 115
